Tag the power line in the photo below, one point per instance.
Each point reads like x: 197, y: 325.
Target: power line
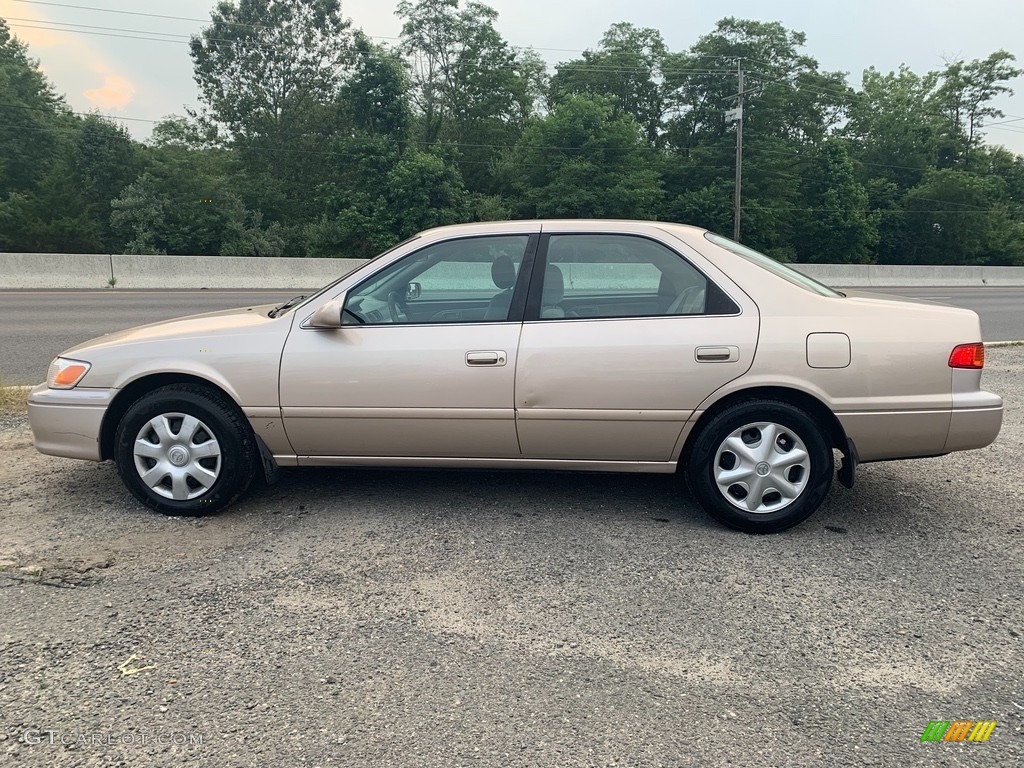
x: 159, y: 16
x: 889, y: 211
x: 563, y: 66
x: 803, y: 86
x: 266, y: 26
x: 729, y: 57
x: 99, y: 34
x: 136, y: 34
x: 647, y: 162
x: 86, y: 26
x: 756, y: 150
x: 168, y: 37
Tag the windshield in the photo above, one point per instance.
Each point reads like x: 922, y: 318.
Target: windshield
x: 773, y: 266
x: 328, y: 287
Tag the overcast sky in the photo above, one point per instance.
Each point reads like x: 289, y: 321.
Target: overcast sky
x: 147, y: 79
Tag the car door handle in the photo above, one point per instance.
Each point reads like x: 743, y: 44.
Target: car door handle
x: 717, y: 354
x: 476, y: 359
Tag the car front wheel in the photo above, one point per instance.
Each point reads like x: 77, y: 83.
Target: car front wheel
x: 761, y: 466
x: 185, y: 450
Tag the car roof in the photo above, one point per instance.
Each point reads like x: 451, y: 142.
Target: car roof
x: 623, y: 225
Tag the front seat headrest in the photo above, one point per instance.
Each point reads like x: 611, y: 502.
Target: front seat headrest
x: 503, y: 272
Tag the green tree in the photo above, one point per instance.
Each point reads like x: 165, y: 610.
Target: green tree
x: 627, y: 68
x: 103, y: 160
x: 708, y: 206
x: 140, y: 215
x: 244, y: 233
x: 965, y: 98
x: 33, y: 117
x: 424, y: 191
x: 268, y: 72
x: 471, y: 88
x: 953, y: 217
x: 895, y: 125
x: 375, y: 98
x: 313, y: 140
x: 392, y: 195
x: 835, y: 226
x: 789, y: 97
x: 179, y: 204
x: 584, y: 160
x: 39, y: 202
x: 178, y: 131
x: 790, y: 108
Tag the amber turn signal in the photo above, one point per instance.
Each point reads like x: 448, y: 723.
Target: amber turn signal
x: 65, y: 374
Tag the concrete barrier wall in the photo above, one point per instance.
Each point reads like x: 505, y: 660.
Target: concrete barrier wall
x: 54, y: 270
x: 1008, y: 276
x: 868, y: 275
x: 248, y: 272
x: 68, y: 271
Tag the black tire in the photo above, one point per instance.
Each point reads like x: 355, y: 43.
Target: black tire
x: 709, y: 455
x: 222, y: 421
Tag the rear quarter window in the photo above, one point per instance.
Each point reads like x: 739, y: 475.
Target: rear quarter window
x: 771, y: 265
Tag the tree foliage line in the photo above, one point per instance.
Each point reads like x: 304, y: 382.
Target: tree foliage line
x: 314, y: 140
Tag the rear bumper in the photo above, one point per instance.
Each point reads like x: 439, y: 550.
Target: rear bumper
x: 67, y: 422
x: 973, y: 422
x: 884, y: 435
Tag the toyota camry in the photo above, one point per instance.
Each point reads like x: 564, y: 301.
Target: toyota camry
x: 608, y: 346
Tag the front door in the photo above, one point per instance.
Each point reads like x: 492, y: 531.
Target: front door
x: 425, y: 369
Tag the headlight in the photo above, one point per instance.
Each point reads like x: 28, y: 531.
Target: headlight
x: 65, y: 373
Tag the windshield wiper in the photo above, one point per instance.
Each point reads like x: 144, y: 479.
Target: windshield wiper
x: 287, y: 305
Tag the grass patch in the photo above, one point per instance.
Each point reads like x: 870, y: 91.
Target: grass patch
x: 13, y: 399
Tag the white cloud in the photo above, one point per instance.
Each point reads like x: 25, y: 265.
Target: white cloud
x: 117, y: 91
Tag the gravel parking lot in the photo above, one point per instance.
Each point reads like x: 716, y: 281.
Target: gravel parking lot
x: 404, y: 618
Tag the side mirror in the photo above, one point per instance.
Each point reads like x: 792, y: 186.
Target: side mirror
x: 329, y: 315
x: 412, y: 291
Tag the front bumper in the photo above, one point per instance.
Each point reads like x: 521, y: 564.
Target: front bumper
x: 67, y: 422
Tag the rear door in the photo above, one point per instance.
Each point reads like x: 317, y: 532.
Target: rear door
x: 623, y: 339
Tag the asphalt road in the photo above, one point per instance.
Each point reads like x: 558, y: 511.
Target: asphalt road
x: 35, y: 326
x: 1001, y: 309
x: 358, y: 618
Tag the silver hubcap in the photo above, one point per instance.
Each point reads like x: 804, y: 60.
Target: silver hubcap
x: 177, y: 456
x: 762, y: 467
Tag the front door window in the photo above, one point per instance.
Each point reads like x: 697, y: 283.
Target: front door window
x: 470, y: 280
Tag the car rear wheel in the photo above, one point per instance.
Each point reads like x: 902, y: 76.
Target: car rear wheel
x: 185, y: 450
x: 761, y: 466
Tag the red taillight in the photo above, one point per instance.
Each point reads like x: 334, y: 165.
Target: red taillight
x: 968, y: 356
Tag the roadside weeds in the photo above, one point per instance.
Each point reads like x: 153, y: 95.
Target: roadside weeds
x: 13, y: 399
x: 1019, y: 343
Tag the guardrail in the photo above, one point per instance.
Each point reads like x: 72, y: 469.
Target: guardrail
x: 78, y: 271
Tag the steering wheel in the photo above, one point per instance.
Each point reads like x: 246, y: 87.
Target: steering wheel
x: 352, y: 313
x: 396, y: 309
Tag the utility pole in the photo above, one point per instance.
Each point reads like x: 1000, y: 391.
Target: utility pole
x: 736, y: 115
x: 737, y: 199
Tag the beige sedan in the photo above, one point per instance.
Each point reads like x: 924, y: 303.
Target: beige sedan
x: 573, y: 345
